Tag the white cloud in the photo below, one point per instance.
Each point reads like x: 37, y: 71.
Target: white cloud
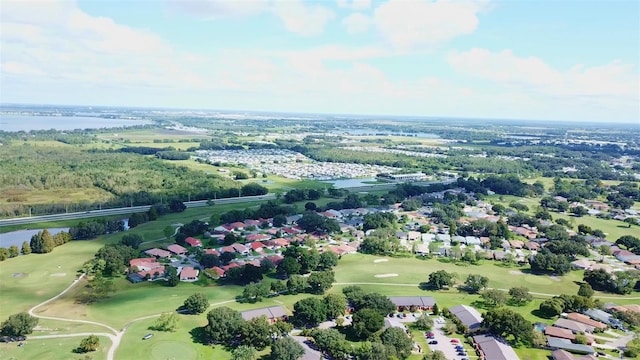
x: 354, y: 4
x: 532, y: 74
x: 302, y: 19
x: 213, y: 9
x: 357, y: 23
x: 407, y: 24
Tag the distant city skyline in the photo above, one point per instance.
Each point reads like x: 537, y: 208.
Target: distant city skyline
x: 534, y: 60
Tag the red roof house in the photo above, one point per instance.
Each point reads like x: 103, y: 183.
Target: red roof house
x: 258, y: 237
x: 218, y: 271
x: 238, y: 225
x: 143, y: 264
x: 212, y: 252
x: 193, y: 241
x: 225, y: 249
x: 188, y: 274
x: 256, y: 246
x: 177, y: 249
x: 159, y: 253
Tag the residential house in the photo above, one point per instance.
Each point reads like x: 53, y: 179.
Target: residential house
x: 216, y: 270
x: 158, y: 253
x: 275, y: 259
x: 565, y: 355
x: 469, y: 316
x: 143, y: 264
x: 599, y: 315
x: 212, y: 252
x: 472, y: 240
x: 559, y: 333
x: 272, y: 313
x: 256, y: 246
x: 189, y: 274
x: 567, y: 345
x: 586, y: 320
x: 177, y: 249
x: 492, y: 348
x: 240, y: 249
x: 252, y: 222
x: 597, y: 205
x: 418, y: 302
x: 414, y: 236
x: 575, y: 326
x: 227, y: 249
x: 342, y: 249
x: 193, y: 242
x: 257, y: 237
x: 516, y: 244
x: 531, y: 245
x: 277, y: 243
x: 238, y: 225
x: 582, y: 264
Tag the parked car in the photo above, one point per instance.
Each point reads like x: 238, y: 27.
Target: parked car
x: 454, y: 341
x: 433, y: 342
x: 147, y: 337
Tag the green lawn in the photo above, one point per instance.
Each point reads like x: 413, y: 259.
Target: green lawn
x: 177, y: 345
x: 614, y: 229
x: 28, y: 280
x: 51, y: 349
x: 362, y: 268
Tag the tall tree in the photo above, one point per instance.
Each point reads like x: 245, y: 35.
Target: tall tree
x: 223, y: 325
x: 366, y: 322
x: 196, y: 303
x: 257, y: 333
x: 18, y: 325
x: 505, y: 323
x: 285, y: 348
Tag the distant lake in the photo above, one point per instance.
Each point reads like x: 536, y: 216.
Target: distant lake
x: 28, y: 122
x: 18, y: 237
x: 349, y: 183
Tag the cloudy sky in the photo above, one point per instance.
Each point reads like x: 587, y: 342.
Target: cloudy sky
x: 536, y: 59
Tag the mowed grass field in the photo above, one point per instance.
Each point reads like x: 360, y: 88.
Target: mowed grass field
x: 52, y: 349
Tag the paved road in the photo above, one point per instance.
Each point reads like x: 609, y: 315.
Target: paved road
x: 125, y: 210
x: 309, y: 353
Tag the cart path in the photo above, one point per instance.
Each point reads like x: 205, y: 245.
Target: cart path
x: 117, y: 335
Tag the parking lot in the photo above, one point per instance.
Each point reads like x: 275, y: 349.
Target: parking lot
x: 444, y: 344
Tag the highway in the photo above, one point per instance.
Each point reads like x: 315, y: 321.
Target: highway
x: 125, y: 210
x: 189, y: 204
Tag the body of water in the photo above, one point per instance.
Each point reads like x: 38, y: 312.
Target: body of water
x: 18, y: 237
x: 27, y: 122
x: 349, y: 183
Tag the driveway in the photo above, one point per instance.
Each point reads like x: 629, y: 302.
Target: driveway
x: 444, y: 343
x: 309, y: 353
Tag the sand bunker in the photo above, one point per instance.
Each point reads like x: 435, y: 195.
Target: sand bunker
x: 385, y: 275
x: 380, y: 260
x: 59, y: 274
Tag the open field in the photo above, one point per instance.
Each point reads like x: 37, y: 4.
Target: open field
x: 168, y: 345
x: 51, y: 349
x: 614, y: 229
x: 57, y: 196
x: 148, y: 135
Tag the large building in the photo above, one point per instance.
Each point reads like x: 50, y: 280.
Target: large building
x: 469, y: 316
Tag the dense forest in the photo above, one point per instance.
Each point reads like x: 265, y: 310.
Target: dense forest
x: 131, y: 178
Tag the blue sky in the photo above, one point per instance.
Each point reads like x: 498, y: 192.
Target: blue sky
x: 549, y: 60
